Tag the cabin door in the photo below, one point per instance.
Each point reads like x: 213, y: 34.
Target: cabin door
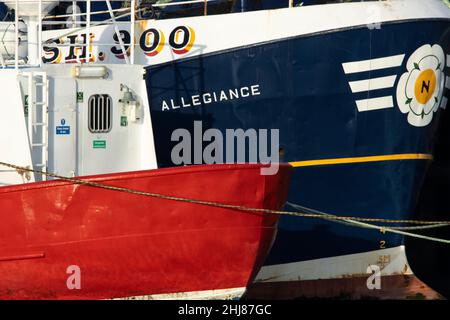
x: 63, y: 126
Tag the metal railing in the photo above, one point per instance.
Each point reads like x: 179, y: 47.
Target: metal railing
x: 37, y: 46
x: 86, y: 26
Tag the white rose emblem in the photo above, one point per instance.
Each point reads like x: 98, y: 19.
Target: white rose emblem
x: 419, y: 91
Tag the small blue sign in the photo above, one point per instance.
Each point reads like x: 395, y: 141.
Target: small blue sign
x: 63, y: 130
x: 63, y: 121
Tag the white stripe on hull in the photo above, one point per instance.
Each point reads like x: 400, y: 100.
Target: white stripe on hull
x: 219, y: 294
x: 391, y: 261
x: 378, y: 83
x: 375, y: 103
x: 373, y: 64
x: 372, y: 84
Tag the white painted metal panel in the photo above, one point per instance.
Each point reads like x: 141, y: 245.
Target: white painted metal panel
x: 14, y: 143
x: 63, y: 126
x: 123, y: 148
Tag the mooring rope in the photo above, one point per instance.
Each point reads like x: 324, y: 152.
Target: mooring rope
x: 309, y: 213
x: 383, y: 229
x: 351, y: 221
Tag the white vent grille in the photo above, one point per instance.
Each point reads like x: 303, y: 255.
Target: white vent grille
x: 100, y: 113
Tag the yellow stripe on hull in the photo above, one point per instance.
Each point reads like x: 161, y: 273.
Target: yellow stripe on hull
x: 390, y: 157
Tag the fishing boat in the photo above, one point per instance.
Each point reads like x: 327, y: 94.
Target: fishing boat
x: 87, y: 214
x: 431, y: 260
x: 64, y: 240
x: 355, y: 90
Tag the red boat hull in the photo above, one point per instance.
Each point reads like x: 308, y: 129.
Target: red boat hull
x: 132, y: 245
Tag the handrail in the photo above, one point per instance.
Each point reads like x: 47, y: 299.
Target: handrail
x: 74, y: 6
x: 88, y: 29
x: 40, y: 32
x: 181, y: 3
x: 86, y: 26
x: 16, y: 45
x: 133, y: 16
x: 156, y: 5
x: 69, y: 15
x: 76, y: 30
x: 116, y: 29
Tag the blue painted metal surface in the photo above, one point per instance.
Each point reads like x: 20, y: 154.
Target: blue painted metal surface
x: 306, y: 95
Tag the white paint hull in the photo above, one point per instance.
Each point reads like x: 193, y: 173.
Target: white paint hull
x: 342, y: 277
x: 219, y: 294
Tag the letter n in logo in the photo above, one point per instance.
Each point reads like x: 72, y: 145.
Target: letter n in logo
x: 74, y: 280
x: 425, y: 86
x: 374, y: 281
